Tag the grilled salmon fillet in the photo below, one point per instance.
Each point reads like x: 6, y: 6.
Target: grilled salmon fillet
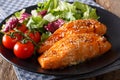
x: 77, y: 26
x: 74, y: 49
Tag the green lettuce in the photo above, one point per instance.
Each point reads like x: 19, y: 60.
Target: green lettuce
x: 48, y: 5
x: 87, y: 12
x: 36, y: 23
x: 57, y: 9
x: 45, y: 36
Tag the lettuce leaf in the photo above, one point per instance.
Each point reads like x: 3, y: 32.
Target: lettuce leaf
x: 48, y: 5
x: 19, y: 13
x: 36, y: 23
x: 87, y: 12
x: 45, y: 36
x: 57, y: 9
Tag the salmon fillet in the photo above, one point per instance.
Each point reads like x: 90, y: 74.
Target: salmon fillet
x: 77, y: 26
x: 74, y: 49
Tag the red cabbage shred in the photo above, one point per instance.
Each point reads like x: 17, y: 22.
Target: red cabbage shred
x: 53, y: 26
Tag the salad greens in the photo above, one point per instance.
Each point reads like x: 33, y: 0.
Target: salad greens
x: 18, y: 14
x: 57, y: 9
x: 45, y: 36
x: 51, y: 14
x: 36, y: 23
x: 86, y: 11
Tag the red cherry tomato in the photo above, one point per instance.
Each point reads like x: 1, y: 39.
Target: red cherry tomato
x: 35, y: 36
x: 10, y: 38
x: 22, y: 27
x: 23, y: 50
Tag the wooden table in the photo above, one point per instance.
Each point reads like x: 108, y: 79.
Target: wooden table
x: 7, y: 71
x: 110, y: 5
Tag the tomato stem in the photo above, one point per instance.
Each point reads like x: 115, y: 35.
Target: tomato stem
x: 26, y: 38
x: 24, y: 41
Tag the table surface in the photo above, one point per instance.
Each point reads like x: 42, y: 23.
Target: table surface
x: 7, y: 71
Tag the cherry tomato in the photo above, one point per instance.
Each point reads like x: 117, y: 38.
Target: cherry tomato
x: 35, y: 36
x: 10, y: 38
x: 21, y: 27
x: 24, y: 50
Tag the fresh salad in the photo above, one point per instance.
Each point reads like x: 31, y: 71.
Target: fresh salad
x: 24, y: 32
